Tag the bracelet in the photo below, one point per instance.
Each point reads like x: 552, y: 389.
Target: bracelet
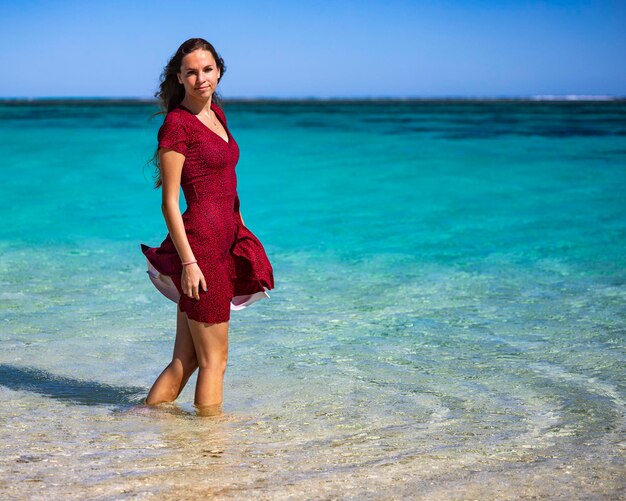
x: 188, y: 262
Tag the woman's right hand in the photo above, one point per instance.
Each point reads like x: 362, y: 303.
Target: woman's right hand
x: 191, y: 277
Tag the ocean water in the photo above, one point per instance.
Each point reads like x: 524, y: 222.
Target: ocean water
x: 448, y: 320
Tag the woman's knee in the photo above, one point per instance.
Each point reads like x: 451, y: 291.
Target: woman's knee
x: 215, y: 363
x: 185, y: 366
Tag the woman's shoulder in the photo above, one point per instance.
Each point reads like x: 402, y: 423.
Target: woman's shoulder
x: 173, y: 133
x: 175, y: 115
x: 175, y: 119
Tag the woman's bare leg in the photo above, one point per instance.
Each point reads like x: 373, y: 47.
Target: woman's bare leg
x: 211, y: 344
x: 174, y: 377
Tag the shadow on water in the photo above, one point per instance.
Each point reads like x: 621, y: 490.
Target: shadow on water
x: 67, y: 388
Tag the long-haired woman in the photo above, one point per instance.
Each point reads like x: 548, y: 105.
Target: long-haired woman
x: 209, y: 263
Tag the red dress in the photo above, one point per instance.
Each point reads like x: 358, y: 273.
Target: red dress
x: 232, y: 259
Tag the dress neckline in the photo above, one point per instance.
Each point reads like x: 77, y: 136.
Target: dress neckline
x: 205, y: 126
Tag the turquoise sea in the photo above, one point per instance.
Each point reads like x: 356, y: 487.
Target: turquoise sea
x: 448, y: 321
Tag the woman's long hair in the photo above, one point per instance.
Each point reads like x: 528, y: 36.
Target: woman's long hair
x: 171, y: 92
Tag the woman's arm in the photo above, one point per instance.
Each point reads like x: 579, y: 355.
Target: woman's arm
x: 171, y: 170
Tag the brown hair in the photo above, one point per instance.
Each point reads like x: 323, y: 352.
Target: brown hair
x: 171, y: 92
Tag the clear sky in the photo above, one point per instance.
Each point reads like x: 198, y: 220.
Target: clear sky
x: 342, y: 48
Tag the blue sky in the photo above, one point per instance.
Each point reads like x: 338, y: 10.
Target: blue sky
x: 340, y: 48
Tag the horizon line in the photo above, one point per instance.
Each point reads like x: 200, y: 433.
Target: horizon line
x: 146, y: 100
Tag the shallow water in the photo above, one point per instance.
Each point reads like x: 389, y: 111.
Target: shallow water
x: 448, y: 320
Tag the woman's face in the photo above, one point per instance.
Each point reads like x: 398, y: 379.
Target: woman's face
x: 199, y: 74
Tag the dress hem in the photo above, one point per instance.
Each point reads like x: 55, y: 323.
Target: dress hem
x: 165, y: 286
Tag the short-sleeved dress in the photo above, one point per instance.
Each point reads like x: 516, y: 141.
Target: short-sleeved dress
x: 232, y: 259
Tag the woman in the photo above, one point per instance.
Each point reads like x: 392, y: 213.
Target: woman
x: 209, y: 262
